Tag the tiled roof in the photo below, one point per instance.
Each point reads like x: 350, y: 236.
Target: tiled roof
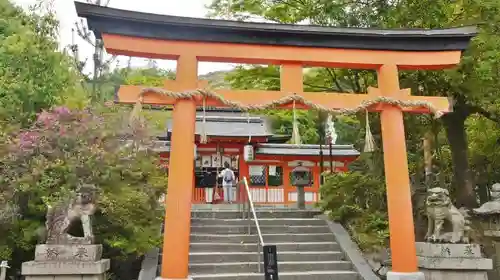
x: 305, y: 150
x: 288, y: 149
x: 230, y: 124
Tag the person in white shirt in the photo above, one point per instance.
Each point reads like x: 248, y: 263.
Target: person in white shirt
x: 228, y: 181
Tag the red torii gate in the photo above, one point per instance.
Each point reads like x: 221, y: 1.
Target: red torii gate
x: 189, y: 41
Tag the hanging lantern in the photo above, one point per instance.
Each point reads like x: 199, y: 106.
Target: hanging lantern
x: 301, y: 176
x: 248, y: 153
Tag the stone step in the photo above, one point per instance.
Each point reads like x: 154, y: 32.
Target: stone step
x: 268, y: 238
x: 302, y: 275
x: 283, y: 256
x: 249, y: 267
x: 262, y: 222
x: 260, y: 214
x: 252, y: 247
x: 265, y: 229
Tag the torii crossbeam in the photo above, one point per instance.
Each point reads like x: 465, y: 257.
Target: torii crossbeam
x: 190, y: 41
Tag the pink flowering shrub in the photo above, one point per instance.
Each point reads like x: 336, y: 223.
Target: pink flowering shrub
x: 65, y: 149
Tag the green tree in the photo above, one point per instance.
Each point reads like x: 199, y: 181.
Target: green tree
x: 484, y: 153
x: 46, y: 163
x: 154, y: 77
x: 33, y: 74
x: 94, y: 81
x: 359, y: 202
x: 81, y: 146
x: 473, y: 85
x: 148, y: 76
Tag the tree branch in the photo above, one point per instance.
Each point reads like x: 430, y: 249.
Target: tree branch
x: 352, y: 79
x: 318, y: 87
x: 489, y: 115
x: 82, y: 31
x: 109, y: 61
x: 287, y: 3
x: 356, y: 80
x: 334, y: 79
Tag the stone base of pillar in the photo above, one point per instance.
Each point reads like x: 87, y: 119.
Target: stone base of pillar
x: 452, y: 261
x: 405, y: 275
x: 64, y: 262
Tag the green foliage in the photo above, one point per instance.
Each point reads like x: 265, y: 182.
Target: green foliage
x: 45, y: 164
x: 33, y: 74
x: 153, y: 77
x: 109, y: 81
x: 358, y: 201
x: 474, y: 82
x: 268, y: 78
x: 254, y: 77
x: 325, y: 12
x: 485, y: 147
x: 484, y: 151
x: 282, y: 122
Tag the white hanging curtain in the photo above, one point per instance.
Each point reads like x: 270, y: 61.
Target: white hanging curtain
x: 330, y: 130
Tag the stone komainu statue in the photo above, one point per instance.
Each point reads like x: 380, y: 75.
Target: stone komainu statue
x: 59, y: 218
x: 440, y: 210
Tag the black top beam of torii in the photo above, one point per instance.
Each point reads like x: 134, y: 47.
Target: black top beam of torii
x: 146, y: 25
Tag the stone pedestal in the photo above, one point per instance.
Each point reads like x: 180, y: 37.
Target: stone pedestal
x: 66, y: 262
x: 452, y: 261
x: 301, y: 198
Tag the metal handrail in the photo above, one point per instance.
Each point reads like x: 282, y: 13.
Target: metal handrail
x: 248, y: 207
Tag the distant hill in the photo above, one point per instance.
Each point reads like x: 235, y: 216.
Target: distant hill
x: 216, y: 79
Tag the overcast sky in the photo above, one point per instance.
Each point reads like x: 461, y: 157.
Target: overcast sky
x: 66, y: 14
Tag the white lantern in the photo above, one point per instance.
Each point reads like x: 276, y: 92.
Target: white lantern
x: 195, y: 151
x: 248, y: 153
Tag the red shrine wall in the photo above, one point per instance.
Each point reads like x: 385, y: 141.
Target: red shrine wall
x: 269, y: 176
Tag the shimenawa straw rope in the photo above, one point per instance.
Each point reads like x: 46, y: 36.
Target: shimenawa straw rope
x: 202, y: 93
x: 292, y: 98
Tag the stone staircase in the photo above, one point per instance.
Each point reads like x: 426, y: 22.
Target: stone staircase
x: 307, y: 250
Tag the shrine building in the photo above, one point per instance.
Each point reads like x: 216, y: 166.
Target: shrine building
x: 268, y: 168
